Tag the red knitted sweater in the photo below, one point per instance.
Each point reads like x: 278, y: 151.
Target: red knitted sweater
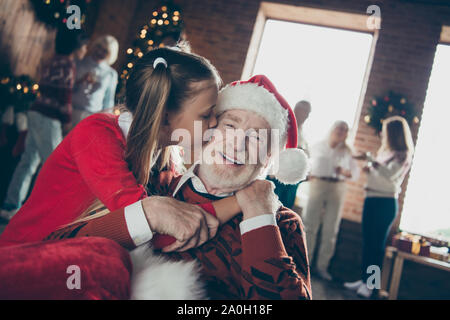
x: 270, y: 262
x: 88, y: 164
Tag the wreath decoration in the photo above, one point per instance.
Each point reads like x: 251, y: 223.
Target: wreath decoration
x: 391, y: 104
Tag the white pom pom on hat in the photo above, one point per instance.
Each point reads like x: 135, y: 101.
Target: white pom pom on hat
x: 259, y: 95
x: 292, y: 166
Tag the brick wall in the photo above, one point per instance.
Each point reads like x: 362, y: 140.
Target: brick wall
x: 23, y: 40
x: 221, y: 31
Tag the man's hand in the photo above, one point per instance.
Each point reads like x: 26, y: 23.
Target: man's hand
x: 341, y: 171
x: 257, y: 199
x: 360, y: 156
x: 189, y: 224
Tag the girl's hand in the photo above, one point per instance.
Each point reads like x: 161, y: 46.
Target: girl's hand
x: 189, y: 224
x: 257, y: 199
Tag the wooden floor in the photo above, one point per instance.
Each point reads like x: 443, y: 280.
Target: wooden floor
x: 417, y: 282
x: 326, y: 290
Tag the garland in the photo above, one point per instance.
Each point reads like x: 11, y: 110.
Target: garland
x: 19, y: 92
x: 392, y: 104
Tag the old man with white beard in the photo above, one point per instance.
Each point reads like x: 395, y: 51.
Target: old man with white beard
x: 259, y: 251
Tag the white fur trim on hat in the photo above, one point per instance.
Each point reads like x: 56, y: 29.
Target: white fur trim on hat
x: 252, y: 97
x: 293, y: 166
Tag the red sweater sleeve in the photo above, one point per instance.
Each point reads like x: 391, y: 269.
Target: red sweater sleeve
x: 270, y: 272
x: 98, y: 148
x: 111, y: 226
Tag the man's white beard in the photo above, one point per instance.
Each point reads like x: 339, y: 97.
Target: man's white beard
x: 219, y: 177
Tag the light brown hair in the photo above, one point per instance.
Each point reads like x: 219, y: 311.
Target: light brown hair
x: 396, y: 136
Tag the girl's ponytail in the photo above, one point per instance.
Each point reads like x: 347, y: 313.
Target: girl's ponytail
x: 151, y: 87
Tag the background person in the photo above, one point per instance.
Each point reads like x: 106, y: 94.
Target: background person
x: 287, y: 192
x: 51, y: 111
x: 302, y: 111
x: 331, y: 165
x: 385, y: 175
x: 96, y: 83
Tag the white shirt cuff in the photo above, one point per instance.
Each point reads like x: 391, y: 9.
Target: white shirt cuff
x: 137, y: 224
x: 257, y: 222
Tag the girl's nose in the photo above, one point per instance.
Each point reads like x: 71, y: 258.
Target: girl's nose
x: 212, y: 123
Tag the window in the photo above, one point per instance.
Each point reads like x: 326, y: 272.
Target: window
x: 325, y: 66
x: 426, y: 209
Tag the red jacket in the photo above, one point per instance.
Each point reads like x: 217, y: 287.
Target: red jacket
x: 88, y: 164
x: 55, y: 88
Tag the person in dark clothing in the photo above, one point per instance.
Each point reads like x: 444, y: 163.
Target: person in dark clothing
x: 287, y: 192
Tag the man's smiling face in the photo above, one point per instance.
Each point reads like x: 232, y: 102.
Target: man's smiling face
x: 240, y: 151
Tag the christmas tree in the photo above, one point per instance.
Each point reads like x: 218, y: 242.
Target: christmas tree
x: 164, y: 28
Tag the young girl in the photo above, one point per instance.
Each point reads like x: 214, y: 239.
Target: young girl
x: 107, y: 160
x: 385, y: 175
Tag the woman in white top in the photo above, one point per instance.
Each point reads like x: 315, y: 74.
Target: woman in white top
x: 331, y: 164
x: 385, y: 175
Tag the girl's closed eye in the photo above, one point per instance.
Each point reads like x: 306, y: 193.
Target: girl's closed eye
x: 207, y: 115
x: 228, y: 125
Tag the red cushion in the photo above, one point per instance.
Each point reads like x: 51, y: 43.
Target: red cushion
x: 40, y: 270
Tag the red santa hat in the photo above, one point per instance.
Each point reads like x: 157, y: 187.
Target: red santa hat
x: 260, y: 96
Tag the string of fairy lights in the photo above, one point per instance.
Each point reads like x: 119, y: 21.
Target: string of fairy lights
x: 18, y: 92
x: 21, y: 91
x: 165, y: 22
